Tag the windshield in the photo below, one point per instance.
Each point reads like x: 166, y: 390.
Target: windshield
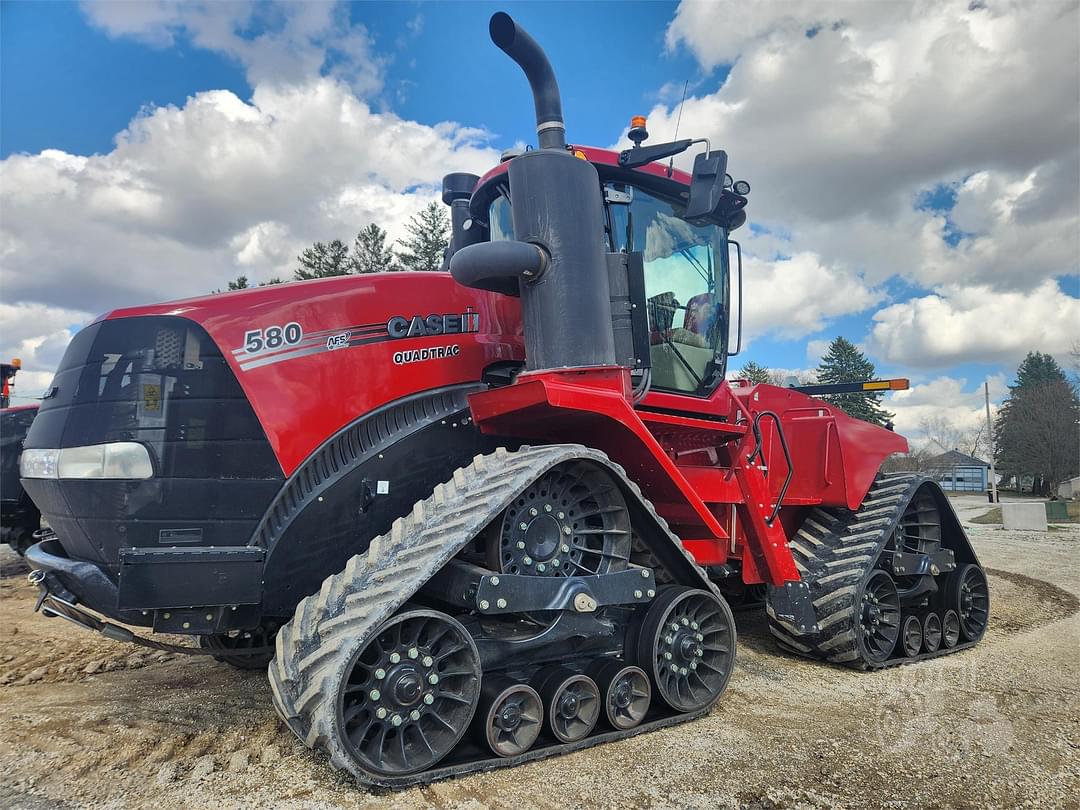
x: 685, y: 286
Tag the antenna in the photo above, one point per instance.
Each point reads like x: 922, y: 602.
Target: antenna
x: 671, y: 163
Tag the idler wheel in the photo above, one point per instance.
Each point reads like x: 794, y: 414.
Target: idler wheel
x: 687, y: 646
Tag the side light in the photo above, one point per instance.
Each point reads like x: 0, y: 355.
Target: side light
x: 39, y: 463
x: 114, y: 461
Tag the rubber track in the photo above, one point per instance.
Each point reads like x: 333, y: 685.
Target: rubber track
x: 835, y: 553
x: 330, y: 626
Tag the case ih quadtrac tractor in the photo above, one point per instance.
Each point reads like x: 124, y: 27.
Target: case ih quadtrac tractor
x: 492, y: 514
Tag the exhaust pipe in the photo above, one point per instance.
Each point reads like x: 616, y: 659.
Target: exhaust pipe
x: 516, y: 43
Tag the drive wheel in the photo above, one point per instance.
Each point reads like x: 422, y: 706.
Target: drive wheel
x: 687, y: 645
x: 409, y: 694
x: 627, y: 694
x: 912, y: 636
x: 239, y: 641
x: 931, y: 632
x: 571, y: 703
x: 571, y: 521
x: 511, y: 717
x: 969, y: 596
x: 950, y: 629
x: 879, y: 617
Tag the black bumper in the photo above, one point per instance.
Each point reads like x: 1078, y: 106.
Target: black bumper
x: 79, y: 581
x: 193, y: 590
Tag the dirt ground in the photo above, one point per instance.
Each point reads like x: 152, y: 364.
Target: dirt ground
x: 87, y: 722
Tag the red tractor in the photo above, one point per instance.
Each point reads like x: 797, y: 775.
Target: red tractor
x: 484, y: 516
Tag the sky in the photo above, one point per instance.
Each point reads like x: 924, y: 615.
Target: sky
x: 915, y: 166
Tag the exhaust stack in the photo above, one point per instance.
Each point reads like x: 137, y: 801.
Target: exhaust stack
x: 516, y: 43
x: 557, y: 261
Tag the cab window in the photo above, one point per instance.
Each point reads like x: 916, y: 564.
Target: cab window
x: 685, y: 287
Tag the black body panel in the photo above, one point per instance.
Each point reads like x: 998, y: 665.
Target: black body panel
x: 160, y: 381
x: 19, y: 517
x: 332, y: 506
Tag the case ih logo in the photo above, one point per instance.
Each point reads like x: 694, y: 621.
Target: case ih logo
x: 419, y: 326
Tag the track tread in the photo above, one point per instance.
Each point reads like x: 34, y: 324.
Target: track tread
x: 846, y: 547
x: 330, y: 625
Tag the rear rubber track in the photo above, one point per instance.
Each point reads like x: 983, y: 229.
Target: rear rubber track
x: 835, y: 552
x: 328, y: 627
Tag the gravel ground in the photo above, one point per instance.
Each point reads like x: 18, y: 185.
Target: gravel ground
x: 93, y: 723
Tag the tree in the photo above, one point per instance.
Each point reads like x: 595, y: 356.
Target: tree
x: 428, y: 239
x: 370, y: 253
x: 945, y: 435
x: 755, y: 373
x: 322, y: 260
x: 845, y: 363
x: 241, y: 283
x: 1038, y: 426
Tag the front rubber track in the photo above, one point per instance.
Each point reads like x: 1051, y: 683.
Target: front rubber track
x: 315, y: 647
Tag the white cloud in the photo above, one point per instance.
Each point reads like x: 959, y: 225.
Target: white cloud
x: 842, y: 133
x: 782, y: 297
x: 944, y: 398
x: 37, y: 334
x: 977, y: 323
x: 298, y: 41
x: 195, y: 195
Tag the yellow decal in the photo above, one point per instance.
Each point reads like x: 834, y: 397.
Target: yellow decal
x: 151, y: 396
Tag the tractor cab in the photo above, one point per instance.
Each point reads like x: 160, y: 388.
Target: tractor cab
x: 680, y: 265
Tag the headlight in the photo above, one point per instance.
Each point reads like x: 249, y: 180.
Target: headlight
x: 117, y: 460
x: 38, y: 463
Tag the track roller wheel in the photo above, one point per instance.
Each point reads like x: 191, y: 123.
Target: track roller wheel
x: 911, y: 636
x: 931, y: 632
x: 969, y: 595
x: 627, y: 693
x: 879, y: 618
x: 950, y: 629
x: 510, y: 717
x: 687, y: 645
x: 240, y: 641
x: 409, y: 694
x: 572, y: 703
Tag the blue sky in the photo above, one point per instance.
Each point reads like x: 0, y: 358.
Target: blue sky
x: 900, y: 199
x: 442, y: 68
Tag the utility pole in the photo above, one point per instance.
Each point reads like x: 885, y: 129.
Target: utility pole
x: 990, y: 437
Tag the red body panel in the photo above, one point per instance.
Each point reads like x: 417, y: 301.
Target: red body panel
x: 305, y: 393
x: 362, y: 346
x: 690, y: 455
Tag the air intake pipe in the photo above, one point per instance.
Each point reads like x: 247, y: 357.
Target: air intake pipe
x: 516, y: 43
x: 557, y: 259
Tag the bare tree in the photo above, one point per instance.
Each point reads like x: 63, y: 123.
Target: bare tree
x: 947, y: 435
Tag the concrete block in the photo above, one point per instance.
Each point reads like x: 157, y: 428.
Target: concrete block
x: 1029, y: 516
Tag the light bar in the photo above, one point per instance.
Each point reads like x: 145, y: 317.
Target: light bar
x: 113, y: 461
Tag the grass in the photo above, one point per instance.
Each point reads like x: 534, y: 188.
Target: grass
x: 993, y: 515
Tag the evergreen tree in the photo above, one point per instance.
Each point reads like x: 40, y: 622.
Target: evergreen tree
x: 322, y: 260
x: 754, y: 372
x: 241, y: 283
x: 845, y: 363
x: 1038, y: 427
x: 428, y: 239
x: 370, y: 252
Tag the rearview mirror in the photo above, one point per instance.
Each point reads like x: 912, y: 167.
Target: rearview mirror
x: 706, y: 184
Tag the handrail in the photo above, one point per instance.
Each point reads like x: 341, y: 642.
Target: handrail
x: 759, y: 453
